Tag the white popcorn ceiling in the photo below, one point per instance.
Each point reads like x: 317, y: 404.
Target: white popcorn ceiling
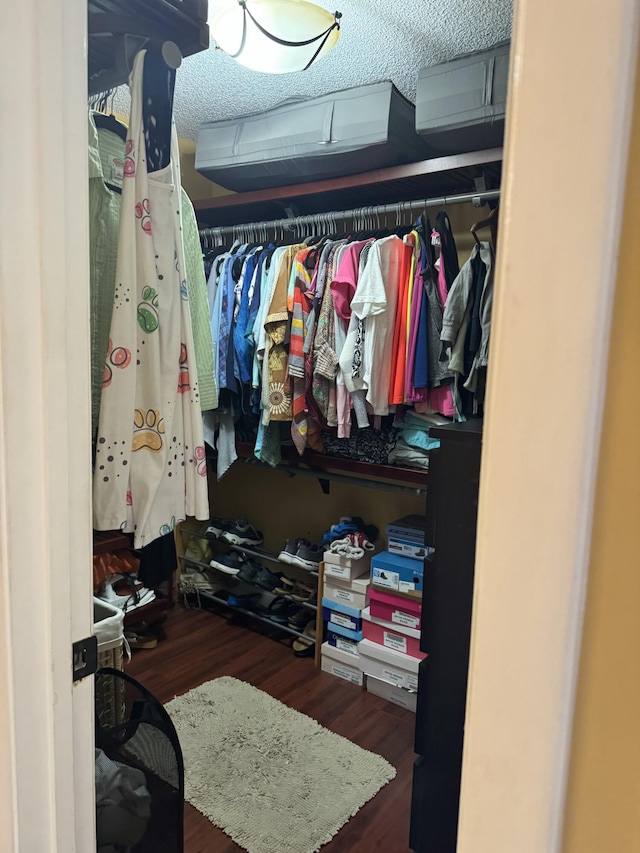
x: 380, y: 40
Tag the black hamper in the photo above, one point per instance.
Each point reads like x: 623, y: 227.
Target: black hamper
x: 146, y: 740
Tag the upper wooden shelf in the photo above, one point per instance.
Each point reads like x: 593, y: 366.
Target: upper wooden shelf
x: 117, y: 29
x: 106, y: 541
x: 439, y: 176
x: 320, y: 463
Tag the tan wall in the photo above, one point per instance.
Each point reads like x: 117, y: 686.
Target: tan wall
x: 603, y: 805
x: 286, y: 508
x: 195, y: 184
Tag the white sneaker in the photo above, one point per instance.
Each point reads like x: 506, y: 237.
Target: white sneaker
x: 126, y: 592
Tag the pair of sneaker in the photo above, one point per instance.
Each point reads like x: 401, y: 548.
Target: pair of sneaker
x: 238, y: 532
x: 353, y: 546
x: 302, y: 553
x: 248, y: 571
x: 346, y: 524
x: 126, y: 592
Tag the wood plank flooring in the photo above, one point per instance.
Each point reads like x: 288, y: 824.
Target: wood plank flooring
x: 201, y: 645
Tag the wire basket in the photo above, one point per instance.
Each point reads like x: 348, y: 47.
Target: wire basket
x: 109, y: 694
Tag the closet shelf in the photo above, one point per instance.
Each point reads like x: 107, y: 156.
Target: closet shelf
x: 105, y: 541
x: 321, y: 462
x: 118, y: 28
x: 439, y: 176
x: 214, y: 598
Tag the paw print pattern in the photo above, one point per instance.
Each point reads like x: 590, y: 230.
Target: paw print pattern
x: 183, y: 375
x: 168, y: 528
x: 143, y: 211
x: 200, y: 460
x: 119, y: 357
x: 148, y: 430
x: 129, y: 160
x: 148, y: 310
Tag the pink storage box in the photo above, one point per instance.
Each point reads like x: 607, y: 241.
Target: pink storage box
x: 400, y: 611
x: 396, y: 637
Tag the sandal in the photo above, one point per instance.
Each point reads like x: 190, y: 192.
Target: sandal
x: 140, y: 641
x: 303, y: 647
x: 299, y: 619
x: 286, y: 586
x: 302, y: 592
x: 279, y: 611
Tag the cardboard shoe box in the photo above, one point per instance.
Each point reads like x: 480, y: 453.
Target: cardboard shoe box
x: 344, y: 644
x: 389, y: 665
x: 396, y: 637
x: 412, y: 550
x: 341, y: 664
x: 338, y: 566
x: 392, y: 693
x: 342, y: 615
x: 397, y: 609
x: 399, y: 574
x: 352, y: 592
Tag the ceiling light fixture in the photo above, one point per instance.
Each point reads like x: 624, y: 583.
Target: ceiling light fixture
x: 276, y: 36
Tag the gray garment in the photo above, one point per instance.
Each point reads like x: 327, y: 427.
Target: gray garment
x: 459, y: 298
x: 106, y: 151
x: 123, y: 803
x: 438, y: 370
x: 411, y: 457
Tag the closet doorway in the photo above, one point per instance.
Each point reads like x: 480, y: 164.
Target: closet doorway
x: 46, y: 781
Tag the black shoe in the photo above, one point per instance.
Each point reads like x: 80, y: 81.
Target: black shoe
x: 249, y: 571
x: 266, y: 579
x: 240, y: 532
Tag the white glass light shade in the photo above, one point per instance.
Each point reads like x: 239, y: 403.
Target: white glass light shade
x: 289, y: 20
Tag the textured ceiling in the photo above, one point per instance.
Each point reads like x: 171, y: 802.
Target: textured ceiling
x: 380, y: 40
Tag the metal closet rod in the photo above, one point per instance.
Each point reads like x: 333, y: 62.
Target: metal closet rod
x: 399, y: 208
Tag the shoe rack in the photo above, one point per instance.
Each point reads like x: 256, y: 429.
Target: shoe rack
x: 186, y: 531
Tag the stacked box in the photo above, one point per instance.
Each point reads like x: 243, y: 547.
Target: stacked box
x: 405, y: 537
x: 342, y: 664
x: 390, y: 650
x: 401, y: 575
x: 344, y: 597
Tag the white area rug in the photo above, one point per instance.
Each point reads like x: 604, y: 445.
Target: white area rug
x: 272, y: 778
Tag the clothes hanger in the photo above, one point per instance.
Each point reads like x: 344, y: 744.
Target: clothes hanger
x: 111, y: 123
x: 490, y: 222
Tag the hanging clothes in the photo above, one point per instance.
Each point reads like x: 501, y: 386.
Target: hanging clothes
x: 106, y: 161
x: 150, y: 469
x: 466, y: 324
x: 198, y: 307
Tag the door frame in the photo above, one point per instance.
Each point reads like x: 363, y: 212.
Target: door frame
x: 564, y: 177
x: 46, y: 722
x: 530, y: 588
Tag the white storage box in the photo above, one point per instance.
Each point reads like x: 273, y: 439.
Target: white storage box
x: 341, y: 664
x: 389, y: 665
x: 398, y: 695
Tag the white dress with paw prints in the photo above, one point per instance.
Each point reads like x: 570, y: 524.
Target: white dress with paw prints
x: 150, y: 469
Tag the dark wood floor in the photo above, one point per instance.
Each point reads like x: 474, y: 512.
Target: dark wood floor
x: 202, y: 645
